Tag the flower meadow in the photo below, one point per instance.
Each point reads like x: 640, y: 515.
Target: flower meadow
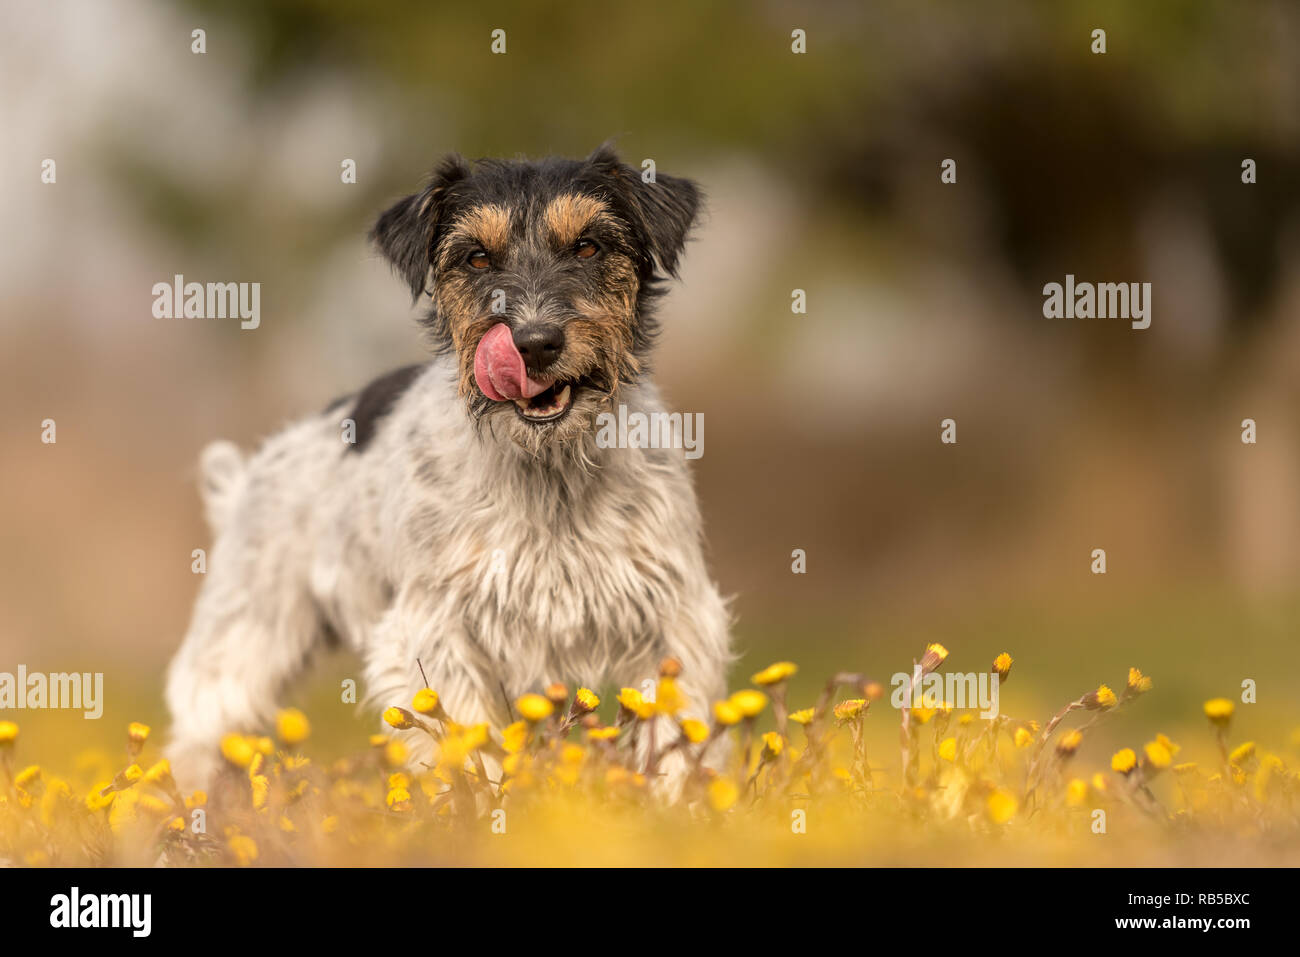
x: 560, y: 786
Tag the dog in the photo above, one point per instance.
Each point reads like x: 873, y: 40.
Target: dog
x: 457, y: 520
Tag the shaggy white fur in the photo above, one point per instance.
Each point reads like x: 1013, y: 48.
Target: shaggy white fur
x: 496, y: 566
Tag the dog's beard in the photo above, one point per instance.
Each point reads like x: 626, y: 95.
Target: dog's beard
x: 571, y: 437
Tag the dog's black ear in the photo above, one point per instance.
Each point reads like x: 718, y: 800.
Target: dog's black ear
x: 405, y: 231
x: 663, y: 210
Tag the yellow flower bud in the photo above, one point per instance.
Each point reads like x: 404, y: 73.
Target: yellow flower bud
x: 534, y: 707
x: 292, y: 726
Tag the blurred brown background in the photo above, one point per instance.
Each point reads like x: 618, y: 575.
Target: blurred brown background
x: 822, y: 430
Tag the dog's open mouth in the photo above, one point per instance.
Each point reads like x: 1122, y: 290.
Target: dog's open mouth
x: 548, y: 405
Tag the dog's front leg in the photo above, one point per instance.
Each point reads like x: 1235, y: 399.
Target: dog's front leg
x: 696, y: 639
x: 420, y: 639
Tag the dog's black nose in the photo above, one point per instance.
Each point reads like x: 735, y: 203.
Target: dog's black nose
x: 539, y: 343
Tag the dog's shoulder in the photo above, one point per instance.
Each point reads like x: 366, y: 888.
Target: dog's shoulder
x: 374, y: 401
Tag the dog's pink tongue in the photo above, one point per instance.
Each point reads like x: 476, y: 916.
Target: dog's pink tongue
x: 499, y: 368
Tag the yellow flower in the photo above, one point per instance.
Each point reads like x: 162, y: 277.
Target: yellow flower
x: 1002, y: 666
x: 1023, y: 738
x: 695, y: 731
x: 395, y: 753
x: 514, y: 736
x: 261, y: 790
x: 27, y: 776
x: 534, y: 707
x: 1069, y: 743
x: 632, y: 700
x: 773, y: 744
x: 244, y: 848
x: 1002, y: 806
x: 668, y: 697
x: 602, y: 734
x: 723, y: 793
x: 1100, y: 700
x: 556, y: 693
x: 775, y: 674
x: 475, y: 736
x: 749, y: 702
x: 1242, y: 753
x: 1099, y: 782
x: 934, y: 656
x: 1219, y: 710
x: 1123, y: 761
x: 100, y: 796
x: 425, y: 701
x: 159, y: 773
x: 399, y: 718
x: 8, y: 732
x: 453, y: 750
x: 849, y: 709
x: 726, y: 713
x: 330, y: 823
x: 1138, y: 682
x: 399, y: 799
x: 923, y: 714
x: 1172, y: 748
x: 238, y: 750
x: 586, y: 700
x: 292, y: 726
x: 803, y: 716
x: 948, y: 749
x: 1158, y: 755
x: 1076, y: 792
x: 137, y: 733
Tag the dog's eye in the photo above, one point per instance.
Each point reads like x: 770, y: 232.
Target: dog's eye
x: 478, y: 259
x: 585, y: 249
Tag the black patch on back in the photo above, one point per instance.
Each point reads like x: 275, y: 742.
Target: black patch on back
x: 375, y: 401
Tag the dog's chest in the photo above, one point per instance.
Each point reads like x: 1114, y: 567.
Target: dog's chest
x: 578, y: 588
x: 599, y: 574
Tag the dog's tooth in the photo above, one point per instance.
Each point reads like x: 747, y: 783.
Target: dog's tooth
x: 562, y: 399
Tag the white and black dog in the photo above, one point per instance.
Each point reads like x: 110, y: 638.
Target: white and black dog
x: 474, y: 527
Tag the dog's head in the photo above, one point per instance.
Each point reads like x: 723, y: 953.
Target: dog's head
x: 542, y: 277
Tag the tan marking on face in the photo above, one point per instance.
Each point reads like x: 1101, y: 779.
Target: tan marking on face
x: 488, y: 224
x: 567, y: 216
